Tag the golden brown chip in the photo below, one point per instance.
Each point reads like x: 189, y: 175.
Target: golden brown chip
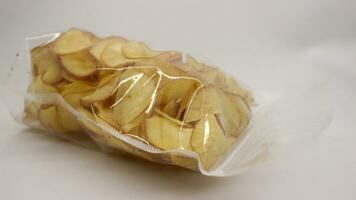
x: 231, y: 111
x: 134, y: 98
x: 46, y: 65
x: 40, y: 59
x: 126, y: 128
x: 66, y: 118
x: 230, y: 116
x: 76, y: 87
x: 233, y: 86
x: 72, y: 41
x: 135, y: 49
x: 53, y: 75
x: 194, y: 64
x: 186, y: 101
x: 174, y: 120
x: 97, y: 49
x: 105, y: 89
x: 184, y: 161
x: 163, y: 63
x: 205, y: 101
x: 87, y: 120
x: 175, y: 90
x: 245, y: 113
x: 213, y: 76
x: 171, y: 108
x: 235, y: 114
x: 80, y: 64
x: 112, y: 54
x: 38, y: 86
x: 105, y: 114
x: 167, y: 135
x: 169, y: 57
x: 49, y: 119
x: 105, y: 134
x: 31, y: 111
x: 61, y: 84
x: 208, y: 140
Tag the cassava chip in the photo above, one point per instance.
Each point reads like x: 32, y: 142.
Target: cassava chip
x: 174, y: 120
x: 80, y: 64
x: 167, y: 135
x: 235, y: 87
x: 194, y: 64
x: 46, y: 65
x: 171, y: 108
x: 166, y: 67
x: 186, y: 102
x: 38, y: 86
x: 134, y: 123
x: 61, y: 84
x: 112, y: 54
x: 66, y: 118
x: 206, y: 100
x: 208, y: 140
x: 31, y: 111
x: 169, y: 57
x: 72, y: 41
x: 213, y: 76
x: 105, y: 114
x: 234, y: 115
x: 88, y: 120
x: 135, y: 99
x: 52, y: 75
x: 49, y: 119
x: 97, y: 49
x: 231, y: 111
x: 75, y: 87
x: 105, y: 89
x: 135, y: 49
x: 175, y: 90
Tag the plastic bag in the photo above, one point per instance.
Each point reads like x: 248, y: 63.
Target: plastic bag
x: 120, y: 96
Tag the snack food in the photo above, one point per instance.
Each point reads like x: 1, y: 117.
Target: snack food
x: 128, y: 97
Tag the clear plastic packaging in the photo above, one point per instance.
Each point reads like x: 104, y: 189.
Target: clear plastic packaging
x: 120, y: 96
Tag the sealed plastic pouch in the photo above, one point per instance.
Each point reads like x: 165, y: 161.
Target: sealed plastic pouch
x: 120, y: 96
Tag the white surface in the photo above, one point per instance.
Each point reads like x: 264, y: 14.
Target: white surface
x: 272, y: 45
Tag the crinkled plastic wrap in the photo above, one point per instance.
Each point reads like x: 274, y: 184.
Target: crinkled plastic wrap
x: 120, y: 96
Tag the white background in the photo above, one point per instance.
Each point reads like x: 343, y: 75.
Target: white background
x: 272, y: 45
